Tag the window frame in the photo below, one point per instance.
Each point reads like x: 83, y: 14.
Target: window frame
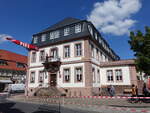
x: 56, y: 49
x: 42, y: 76
x: 69, y: 75
x: 110, y: 76
x: 41, y: 58
x: 33, y: 59
x: 94, y: 75
x: 34, y: 77
x: 76, y: 50
x: 78, y: 28
x: 35, y: 39
x: 66, y: 31
x: 81, y: 74
x: 119, y: 75
x: 43, y: 38
x: 98, y: 76
x: 64, y: 51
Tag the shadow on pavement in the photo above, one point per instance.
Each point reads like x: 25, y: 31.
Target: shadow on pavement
x: 134, y: 106
x: 50, y: 111
x: 47, y: 109
x: 7, y: 108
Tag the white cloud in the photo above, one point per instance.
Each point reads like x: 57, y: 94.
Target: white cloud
x: 3, y: 37
x: 114, y: 16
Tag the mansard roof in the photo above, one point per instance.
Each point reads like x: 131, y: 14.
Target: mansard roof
x: 64, y: 22
x: 71, y: 23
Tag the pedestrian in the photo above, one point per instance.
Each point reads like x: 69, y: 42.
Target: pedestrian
x: 108, y: 90
x: 145, y: 90
x: 136, y: 88
x: 133, y: 90
x: 112, y: 90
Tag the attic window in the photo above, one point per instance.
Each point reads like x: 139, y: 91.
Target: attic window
x: 77, y: 28
x: 35, y: 40
x: 43, y: 38
x: 90, y: 30
x: 66, y: 31
x: 54, y: 34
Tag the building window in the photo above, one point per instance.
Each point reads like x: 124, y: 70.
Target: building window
x: 78, y: 74
x: 20, y: 65
x: 43, y: 38
x: 96, y: 36
x: 66, y: 75
x: 51, y: 35
x: 35, y: 39
x: 78, y: 49
x: 42, y: 55
x: 118, y: 74
x: 66, y: 31
x: 3, y: 63
x: 41, y: 76
x: 54, y: 53
x: 93, y: 73
x: 110, y: 76
x: 90, y: 30
x: 32, y: 77
x: 33, y: 57
x: 67, y: 51
x: 78, y: 28
x: 54, y: 34
x: 97, y: 54
x: 98, y: 76
x: 92, y: 50
x: 101, y: 56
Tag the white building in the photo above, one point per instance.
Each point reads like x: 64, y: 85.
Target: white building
x: 87, y: 63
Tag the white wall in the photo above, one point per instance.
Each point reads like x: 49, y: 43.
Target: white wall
x: 96, y: 83
x: 125, y: 73
x: 60, y: 52
x: 102, y: 57
x: 72, y: 82
x: 60, y: 83
x: 36, y: 84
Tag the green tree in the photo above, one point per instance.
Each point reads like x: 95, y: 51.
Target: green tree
x: 140, y: 44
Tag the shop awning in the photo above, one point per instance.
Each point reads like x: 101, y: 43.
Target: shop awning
x: 6, y: 81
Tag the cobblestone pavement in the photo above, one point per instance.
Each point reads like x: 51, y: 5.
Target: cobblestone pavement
x: 91, y: 104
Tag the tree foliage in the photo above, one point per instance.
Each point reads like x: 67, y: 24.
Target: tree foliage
x: 140, y: 44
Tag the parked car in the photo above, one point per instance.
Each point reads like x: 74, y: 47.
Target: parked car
x: 16, y: 88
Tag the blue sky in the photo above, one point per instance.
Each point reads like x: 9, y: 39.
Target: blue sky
x: 22, y: 18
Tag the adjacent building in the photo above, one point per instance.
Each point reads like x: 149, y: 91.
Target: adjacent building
x: 12, y: 68
x: 74, y: 56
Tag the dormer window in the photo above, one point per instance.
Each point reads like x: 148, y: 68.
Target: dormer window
x: 35, y: 39
x: 54, y: 34
x: 43, y: 38
x: 66, y: 31
x: 96, y: 36
x: 78, y: 28
x: 90, y: 30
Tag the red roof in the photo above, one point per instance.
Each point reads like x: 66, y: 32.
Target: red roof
x: 117, y: 63
x: 7, y: 55
x: 11, y: 59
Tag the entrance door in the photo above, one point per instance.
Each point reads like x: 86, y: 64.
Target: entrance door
x: 52, y: 79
